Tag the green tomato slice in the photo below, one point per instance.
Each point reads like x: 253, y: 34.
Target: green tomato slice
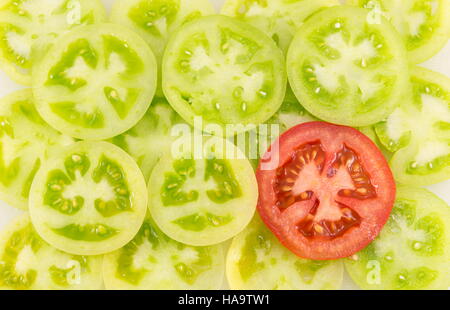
x: 156, y: 20
x: 88, y: 199
x: 412, y: 251
x: 423, y: 24
x: 371, y: 133
x: 220, y: 50
x: 290, y: 114
x: 151, y: 137
x: 254, y: 143
x: 25, y: 141
x: 256, y: 260
x: 280, y: 19
x: 203, y: 201
x: 154, y: 261
x: 418, y: 132
x: 347, y: 70
x: 28, y: 262
x: 28, y: 27
x: 95, y: 82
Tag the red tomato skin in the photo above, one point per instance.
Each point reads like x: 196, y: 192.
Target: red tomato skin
x: 375, y: 211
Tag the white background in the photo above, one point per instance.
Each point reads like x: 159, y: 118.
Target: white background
x: 440, y: 63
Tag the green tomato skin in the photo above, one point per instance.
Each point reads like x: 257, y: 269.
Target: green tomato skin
x: 42, y: 266
x: 412, y: 252
x: 29, y: 28
x: 154, y: 261
x: 256, y: 260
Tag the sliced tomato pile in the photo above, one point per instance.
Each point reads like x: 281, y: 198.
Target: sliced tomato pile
x: 326, y: 190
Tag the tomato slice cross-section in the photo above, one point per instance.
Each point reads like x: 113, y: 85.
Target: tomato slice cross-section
x: 423, y: 24
x: 325, y: 190
x: 202, y: 201
x: 96, y: 82
x: 26, y: 140
x: 220, y: 50
x: 257, y: 261
x: 153, y: 261
x: 417, y: 132
x: 151, y: 137
x: 412, y: 252
x: 88, y: 199
x: 29, y: 27
x: 156, y: 20
x: 347, y: 70
x: 27, y: 262
x: 278, y: 18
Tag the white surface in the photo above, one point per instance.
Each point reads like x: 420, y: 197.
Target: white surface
x: 440, y: 63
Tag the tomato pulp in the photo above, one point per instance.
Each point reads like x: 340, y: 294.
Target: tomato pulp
x: 325, y: 190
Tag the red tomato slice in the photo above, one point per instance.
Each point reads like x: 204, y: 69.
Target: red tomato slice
x: 325, y: 190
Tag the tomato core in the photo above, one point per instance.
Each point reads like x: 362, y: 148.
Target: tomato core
x: 305, y: 178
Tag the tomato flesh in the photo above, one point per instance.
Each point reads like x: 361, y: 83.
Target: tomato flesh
x: 423, y: 24
x: 412, y: 252
x: 203, y: 201
x: 219, y: 50
x: 330, y: 193
x: 417, y: 131
x: 88, y: 199
x: 29, y: 27
x: 93, y: 77
x: 304, y: 179
x: 345, y: 69
x: 257, y: 261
